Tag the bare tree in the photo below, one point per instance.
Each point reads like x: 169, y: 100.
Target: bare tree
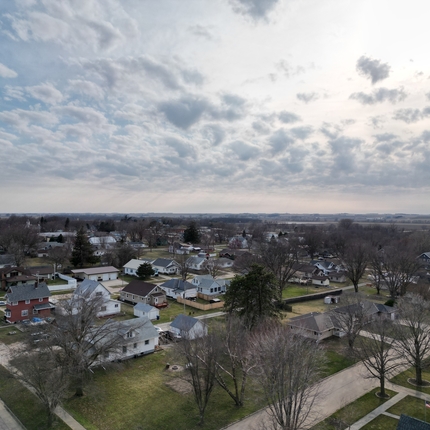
x: 58, y: 256
x: 355, y: 259
x: 39, y: 369
x: 199, y: 357
x: 352, y: 316
x: 234, y: 360
x: 288, y: 368
x: 82, y: 339
x: 213, y: 267
x: 413, y: 334
x: 314, y: 237
x: 280, y: 258
x: 376, y: 352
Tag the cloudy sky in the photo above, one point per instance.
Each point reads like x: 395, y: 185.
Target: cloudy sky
x: 215, y: 106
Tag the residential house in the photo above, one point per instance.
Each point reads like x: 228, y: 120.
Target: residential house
x: 102, y: 241
x: 42, y: 272
x: 131, y: 267
x: 338, y: 276
x: 89, y: 290
x: 188, y: 327
x: 206, y: 284
x: 238, y: 242
x: 166, y: 266
x: 224, y: 263
x: 143, y: 292
x: 101, y: 274
x: 233, y: 253
x: 425, y: 257
x: 315, y: 325
x: 196, y: 263
x: 7, y: 260
x: 409, y: 423
x: 320, y: 281
x: 143, y: 310
x: 24, y: 302
x: 138, y: 336
x: 175, y: 288
x: 180, y: 248
x: 15, y: 276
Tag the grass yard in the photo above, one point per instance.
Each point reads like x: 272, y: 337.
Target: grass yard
x: 402, y: 379
x: 135, y: 396
x: 294, y: 290
x: 24, y: 404
x: 412, y: 406
x: 8, y: 339
x: 353, y: 412
x: 382, y: 423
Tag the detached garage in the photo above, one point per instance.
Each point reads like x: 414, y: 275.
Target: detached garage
x: 143, y: 310
x: 100, y: 274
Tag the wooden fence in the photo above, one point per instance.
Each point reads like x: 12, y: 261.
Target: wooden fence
x: 200, y: 306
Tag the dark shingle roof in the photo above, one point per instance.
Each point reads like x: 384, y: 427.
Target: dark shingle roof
x: 163, y: 262
x: 177, y: 284
x: 408, y: 423
x: 140, y: 288
x: 184, y: 322
x: 28, y: 292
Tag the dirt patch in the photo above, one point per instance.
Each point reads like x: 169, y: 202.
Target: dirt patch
x: 179, y: 385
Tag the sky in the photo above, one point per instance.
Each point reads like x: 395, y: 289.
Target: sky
x: 202, y: 106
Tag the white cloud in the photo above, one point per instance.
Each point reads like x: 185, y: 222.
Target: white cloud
x: 5, y: 72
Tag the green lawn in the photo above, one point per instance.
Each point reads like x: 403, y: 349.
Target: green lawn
x: 382, y: 423
x: 7, y: 338
x: 294, y: 290
x: 353, y: 412
x: 24, y: 404
x: 412, y: 406
x: 402, y: 379
x: 135, y: 396
x: 336, y: 362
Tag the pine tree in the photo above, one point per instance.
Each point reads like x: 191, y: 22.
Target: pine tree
x: 191, y: 234
x: 144, y: 271
x: 83, y: 253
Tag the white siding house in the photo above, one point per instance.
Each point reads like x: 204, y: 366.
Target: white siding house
x: 206, y: 284
x: 131, y: 267
x: 189, y: 327
x: 143, y: 310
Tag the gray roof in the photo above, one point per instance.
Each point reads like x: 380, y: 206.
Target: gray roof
x: 408, y: 423
x: 177, y: 284
x: 385, y: 309
x: 184, y: 322
x: 143, y: 307
x: 87, y: 287
x: 315, y: 321
x: 96, y: 270
x: 195, y: 260
x: 164, y: 262
x: 28, y: 292
x: 369, y: 308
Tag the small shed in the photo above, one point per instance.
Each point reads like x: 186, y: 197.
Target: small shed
x: 144, y: 310
x: 331, y: 299
x: 320, y: 281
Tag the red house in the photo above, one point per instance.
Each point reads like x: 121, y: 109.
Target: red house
x: 24, y: 302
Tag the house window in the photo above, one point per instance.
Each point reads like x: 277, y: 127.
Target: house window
x: 35, y: 311
x: 127, y: 295
x: 40, y: 299
x: 146, y: 342
x: 129, y: 334
x: 132, y: 297
x: 116, y: 305
x: 134, y: 345
x: 99, y: 293
x: 7, y: 313
x: 24, y: 313
x: 14, y: 303
x: 124, y: 350
x: 27, y: 302
x: 212, y: 290
x: 103, y: 309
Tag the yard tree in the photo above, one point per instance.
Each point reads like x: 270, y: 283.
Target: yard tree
x: 213, y: 267
x: 355, y: 260
x: 145, y: 271
x: 191, y: 233
x: 288, y: 368
x: 58, y: 255
x: 352, y: 316
x: 281, y: 259
x: 234, y: 360
x: 40, y: 370
x: 413, y: 335
x: 82, y: 253
x: 199, y: 357
x: 81, y: 338
x: 253, y: 297
x: 376, y: 351
x: 314, y: 237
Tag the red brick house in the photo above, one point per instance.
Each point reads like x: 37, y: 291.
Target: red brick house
x: 24, y: 302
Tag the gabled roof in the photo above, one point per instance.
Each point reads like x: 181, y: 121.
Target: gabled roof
x: 9, y: 269
x: 184, y: 322
x: 28, y: 292
x: 314, y: 321
x: 164, y: 262
x: 143, y: 307
x: 370, y: 308
x: 385, y: 309
x: 87, y: 287
x: 196, y: 260
x: 177, y: 284
x: 139, y: 288
x: 135, y: 264
x: 41, y: 270
x: 408, y: 423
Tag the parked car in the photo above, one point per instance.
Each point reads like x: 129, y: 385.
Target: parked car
x: 2, y: 303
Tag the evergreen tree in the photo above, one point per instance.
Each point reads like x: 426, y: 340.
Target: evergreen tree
x: 191, y: 234
x: 66, y: 224
x: 83, y: 253
x: 144, y: 271
x: 253, y: 297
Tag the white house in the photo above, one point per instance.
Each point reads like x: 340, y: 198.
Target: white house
x: 143, y: 310
x: 196, y: 263
x: 88, y: 290
x: 166, y: 266
x: 102, y: 241
x: 175, y: 288
x: 189, y: 327
x: 206, y: 284
x: 138, y: 336
x: 320, y: 281
x: 131, y: 267
x: 101, y: 274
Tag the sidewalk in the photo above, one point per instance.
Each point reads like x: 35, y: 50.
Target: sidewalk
x: 7, y: 420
